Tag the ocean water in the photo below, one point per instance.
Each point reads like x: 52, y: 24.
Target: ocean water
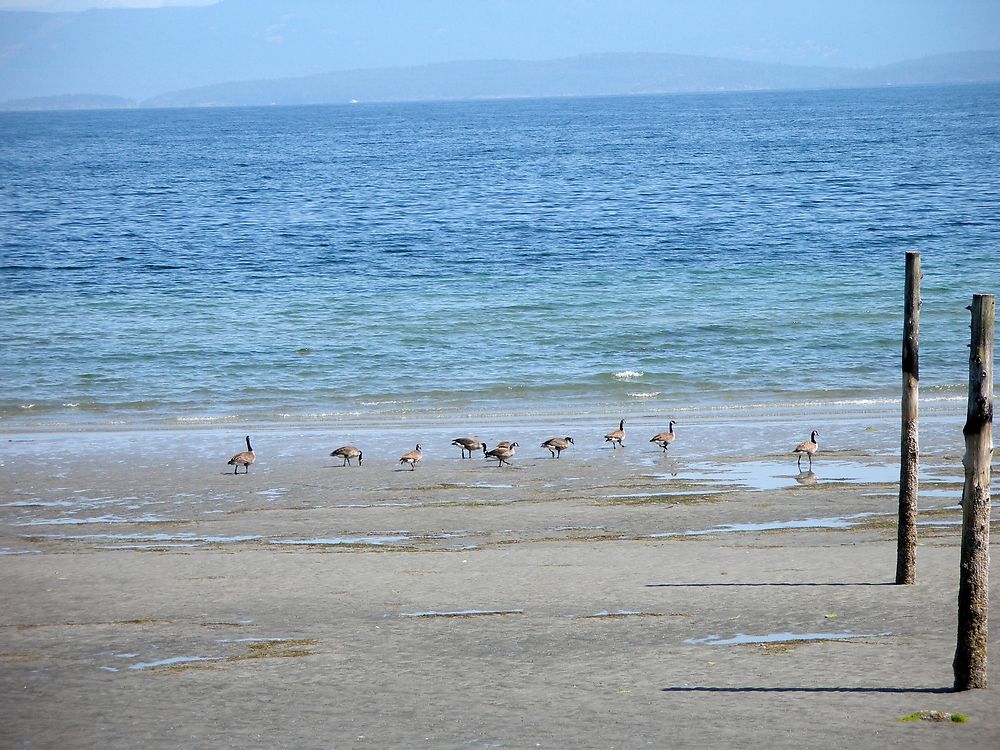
x: 662, y: 254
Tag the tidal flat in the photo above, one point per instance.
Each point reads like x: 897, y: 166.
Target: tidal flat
x: 609, y: 598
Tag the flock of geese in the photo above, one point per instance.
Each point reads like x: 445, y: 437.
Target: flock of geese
x: 505, y: 450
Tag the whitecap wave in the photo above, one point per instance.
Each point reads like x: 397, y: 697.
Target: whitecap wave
x: 645, y: 394
x: 629, y: 374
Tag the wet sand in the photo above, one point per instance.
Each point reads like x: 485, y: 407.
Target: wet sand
x: 618, y: 599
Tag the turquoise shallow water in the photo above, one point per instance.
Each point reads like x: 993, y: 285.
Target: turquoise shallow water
x: 493, y: 259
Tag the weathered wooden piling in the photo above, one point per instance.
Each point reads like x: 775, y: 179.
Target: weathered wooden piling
x: 973, y: 590
x: 909, y: 458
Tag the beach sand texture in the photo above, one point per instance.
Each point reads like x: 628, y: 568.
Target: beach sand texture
x: 152, y: 599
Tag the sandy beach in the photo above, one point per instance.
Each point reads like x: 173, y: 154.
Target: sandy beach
x: 608, y: 599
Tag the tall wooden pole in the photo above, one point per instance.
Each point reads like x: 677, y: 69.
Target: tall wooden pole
x: 909, y: 458
x: 973, y: 588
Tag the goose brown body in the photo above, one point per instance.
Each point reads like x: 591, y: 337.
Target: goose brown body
x: 411, y: 457
x: 557, y: 445
x: 467, y: 444
x: 502, y: 454
x: 616, y: 436
x: 665, y: 439
x: 807, y: 448
x: 243, y: 458
x: 347, y: 452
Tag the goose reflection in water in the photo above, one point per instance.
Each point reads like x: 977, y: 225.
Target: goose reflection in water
x: 807, y: 477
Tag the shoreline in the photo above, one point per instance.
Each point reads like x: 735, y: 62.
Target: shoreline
x: 754, y: 432
x: 433, y: 410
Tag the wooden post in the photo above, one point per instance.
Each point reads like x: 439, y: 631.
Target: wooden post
x: 909, y: 457
x: 973, y: 591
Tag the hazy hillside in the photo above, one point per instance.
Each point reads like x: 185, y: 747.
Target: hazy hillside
x: 139, y: 53
x: 578, y: 76
x: 958, y: 67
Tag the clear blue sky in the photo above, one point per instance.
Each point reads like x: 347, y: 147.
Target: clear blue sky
x: 143, y: 52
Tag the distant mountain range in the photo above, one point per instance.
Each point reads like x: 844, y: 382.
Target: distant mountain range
x: 585, y: 75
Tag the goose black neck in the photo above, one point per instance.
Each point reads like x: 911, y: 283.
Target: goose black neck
x: 248, y: 444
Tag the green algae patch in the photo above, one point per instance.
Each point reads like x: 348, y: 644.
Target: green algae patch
x: 778, y: 648
x: 276, y: 650
x: 19, y: 657
x: 665, y: 498
x: 178, y: 668
x: 935, y: 716
x: 620, y: 614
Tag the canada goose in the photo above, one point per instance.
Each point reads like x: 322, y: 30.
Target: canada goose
x: 504, y: 444
x: 348, y: 452
x: 244, y: 459
x: 807, y: 448
x: 616, y: 436
x: 503, y: 455
x: 411, y: 457
x: 664, y: 439
x: 467, y: 444
x: 557, y: 445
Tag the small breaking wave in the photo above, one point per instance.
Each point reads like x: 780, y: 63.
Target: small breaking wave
x: 629, y: 375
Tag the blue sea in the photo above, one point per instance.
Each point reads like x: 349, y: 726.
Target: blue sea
x: 489, y: 259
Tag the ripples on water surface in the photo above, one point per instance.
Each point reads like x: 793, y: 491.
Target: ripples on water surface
x: 490, y: 257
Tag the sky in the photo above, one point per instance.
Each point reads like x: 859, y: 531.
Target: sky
x: 72, y: 5
x: 142, y: 53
